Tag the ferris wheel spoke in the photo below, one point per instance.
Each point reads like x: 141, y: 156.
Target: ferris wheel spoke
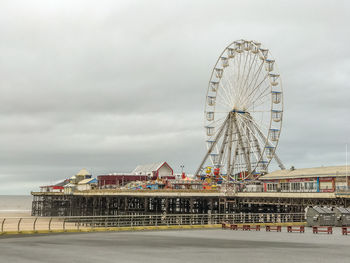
x: 216, y: 121
x: 239, y: 72
x: 253, y: 120
x: 265, y: 91
x: 239, y: 79
x: 228, y: 96
x: 255, y: 76
x: 262, y: 101
x: 224, y: 98
x: 223, y: 101
x: 230, y: 81
x: 255, y: 89
x: 243, y: 74
x: 248, y: 75
x: 256, y: 105
x: 230, y: 87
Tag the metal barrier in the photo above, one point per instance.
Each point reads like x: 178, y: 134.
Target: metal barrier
x: 18, y: 224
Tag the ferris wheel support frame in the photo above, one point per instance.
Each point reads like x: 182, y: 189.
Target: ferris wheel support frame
x: 240, y: 141
x: 275, y: 156
x: 211, y: 147
x: 229, y: 128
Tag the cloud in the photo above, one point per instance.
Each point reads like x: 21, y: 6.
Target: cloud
x: 107, y: 85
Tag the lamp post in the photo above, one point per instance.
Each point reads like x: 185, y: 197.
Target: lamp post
x: 346, y: 167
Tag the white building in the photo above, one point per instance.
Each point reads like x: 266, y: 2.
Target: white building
x: 87, y: 184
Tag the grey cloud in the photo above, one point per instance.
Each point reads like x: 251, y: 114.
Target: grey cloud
x: 107, y: 85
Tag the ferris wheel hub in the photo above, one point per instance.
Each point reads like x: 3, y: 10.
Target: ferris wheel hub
x: 239, y: 111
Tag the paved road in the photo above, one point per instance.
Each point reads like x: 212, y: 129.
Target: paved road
x: 177, y: 246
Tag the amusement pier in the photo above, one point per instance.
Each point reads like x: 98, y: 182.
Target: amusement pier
x: 278, y: 192
x: 243, y: 121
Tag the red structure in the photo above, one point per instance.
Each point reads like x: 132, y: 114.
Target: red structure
x: 54, y: 188
x: 322, y: 229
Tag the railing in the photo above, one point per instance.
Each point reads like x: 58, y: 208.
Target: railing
x: 18, y: 224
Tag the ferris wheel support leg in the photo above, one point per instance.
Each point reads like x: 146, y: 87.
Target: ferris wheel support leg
x: 251, y: 126
x: 248, y: 145
x: 230, y: 124
x: 240, y: 141
x: 223, y: 146
x: 211, y: 147
x: 277, y: 159
x: 233, y: 162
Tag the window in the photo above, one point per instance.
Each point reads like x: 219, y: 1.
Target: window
x: 284, y: 187
x: 310, y: 186
x: 295, y: 186
x: 272, y: 187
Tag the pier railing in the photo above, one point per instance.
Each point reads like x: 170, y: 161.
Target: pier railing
x: 33, y: 224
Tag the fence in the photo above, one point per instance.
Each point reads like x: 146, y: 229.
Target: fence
x: 18, y: 224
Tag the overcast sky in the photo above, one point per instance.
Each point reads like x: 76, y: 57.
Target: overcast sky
x: 107, y: 85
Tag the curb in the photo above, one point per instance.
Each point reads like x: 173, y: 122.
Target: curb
x: 109, y: 229
x: 139, y: 228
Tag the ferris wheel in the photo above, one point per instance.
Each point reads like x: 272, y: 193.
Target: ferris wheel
x: 243, y: 113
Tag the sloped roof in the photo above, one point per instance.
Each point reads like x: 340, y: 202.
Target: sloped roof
x: 88, y: 181
x: 62, y: 183
x: 59, y: 183
x: 307, y: 172
x: 83, y: 172
x: 147, y: 168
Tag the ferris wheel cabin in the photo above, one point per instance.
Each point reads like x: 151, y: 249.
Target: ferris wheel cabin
x: 276, y: 97
x: 276, y: 115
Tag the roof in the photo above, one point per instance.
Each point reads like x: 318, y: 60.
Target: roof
x: 327, y: 171
x: 148, y: 168
x: 120, y: 174
x: 60, y: 183
x: 88, y: 181
x: 322, y: 210
x: 83, y: 172
x: 342, y: 210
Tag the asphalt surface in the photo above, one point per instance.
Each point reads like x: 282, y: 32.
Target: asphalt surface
x: 177, y: 246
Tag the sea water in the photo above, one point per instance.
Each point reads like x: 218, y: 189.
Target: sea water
x: 15, y: 204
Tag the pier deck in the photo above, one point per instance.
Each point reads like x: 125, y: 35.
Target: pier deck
x: 115, y: 202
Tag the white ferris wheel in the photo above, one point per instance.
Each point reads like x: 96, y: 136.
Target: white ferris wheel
x: 243, y: 112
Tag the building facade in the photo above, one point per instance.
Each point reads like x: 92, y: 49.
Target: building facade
x: 320, y: 179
